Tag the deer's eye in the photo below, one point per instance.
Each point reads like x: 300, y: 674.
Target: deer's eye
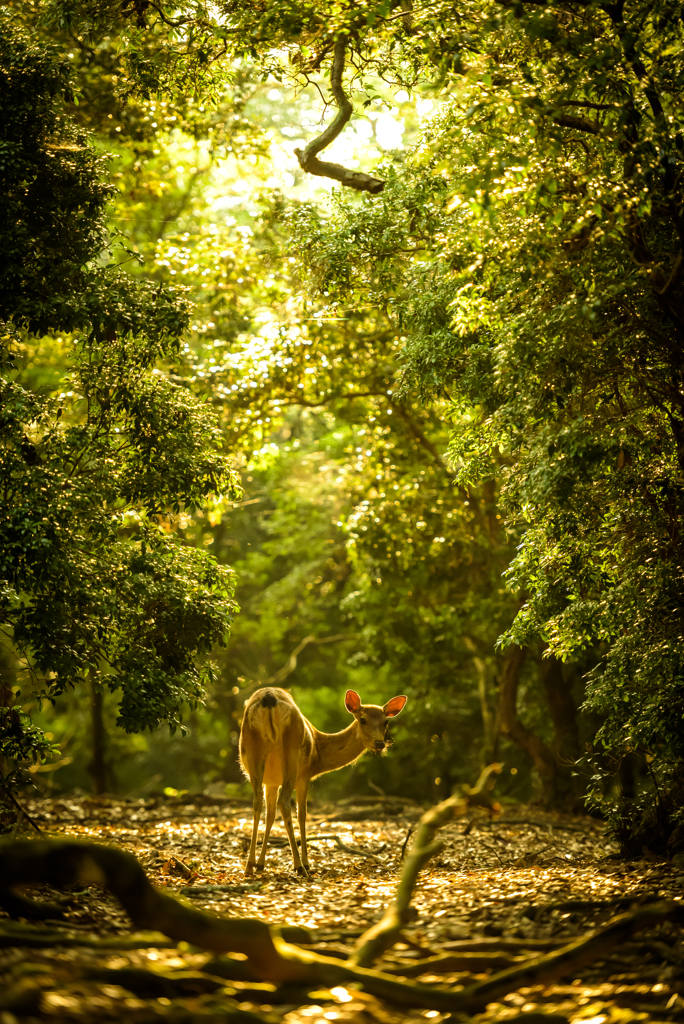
x: 362, y: 721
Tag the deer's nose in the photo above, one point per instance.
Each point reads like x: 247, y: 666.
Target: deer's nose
x: 379, y: 744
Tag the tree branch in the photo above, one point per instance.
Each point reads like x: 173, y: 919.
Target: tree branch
x: 588, y: 105
x: 667, y: 287
x: 291, y: 664
x: 385, y: 933
x: 420, y: 437
x: 334, y: 398
x: 308, y: 158
x: 279, y: 677
x: 582, y: 124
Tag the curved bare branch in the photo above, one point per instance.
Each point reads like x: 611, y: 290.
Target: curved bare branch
x: 308, y: 158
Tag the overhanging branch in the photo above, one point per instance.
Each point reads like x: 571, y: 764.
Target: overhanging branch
x: 308, y: 158
x: 582, y: 124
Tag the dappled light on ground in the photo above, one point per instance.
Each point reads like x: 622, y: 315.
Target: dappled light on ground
x: 498, y: 893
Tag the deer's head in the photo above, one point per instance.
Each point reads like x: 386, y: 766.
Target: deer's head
x: 372, y: 720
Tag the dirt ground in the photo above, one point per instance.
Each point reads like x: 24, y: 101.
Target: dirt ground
x: 523, y: 882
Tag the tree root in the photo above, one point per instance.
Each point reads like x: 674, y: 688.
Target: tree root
x: 269, y: 956
x: 156, y: 984
x: 33, y: 910
x: 474, y: 963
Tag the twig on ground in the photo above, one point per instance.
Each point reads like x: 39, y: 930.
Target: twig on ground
x: 356, y: 851
x: 410, y: 832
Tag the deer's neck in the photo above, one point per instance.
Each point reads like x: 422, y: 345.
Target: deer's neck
x: 336, y: 749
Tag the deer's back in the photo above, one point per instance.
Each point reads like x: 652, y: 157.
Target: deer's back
x: 275, y: 732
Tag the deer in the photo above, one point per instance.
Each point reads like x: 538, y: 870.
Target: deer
x: 280, y: 750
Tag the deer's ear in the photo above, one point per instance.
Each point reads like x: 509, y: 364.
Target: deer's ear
x: 352, y: 702
x: 394, y: 706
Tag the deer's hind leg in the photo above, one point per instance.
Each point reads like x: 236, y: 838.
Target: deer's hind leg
x: 290, y: 761
x: 256, y: 778
x: 302, y: 789
x: 271, y: 798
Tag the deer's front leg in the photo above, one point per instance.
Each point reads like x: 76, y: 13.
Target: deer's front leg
x: 302, y: 790
x: 258, y: 804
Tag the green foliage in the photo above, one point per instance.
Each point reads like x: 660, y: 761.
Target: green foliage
x: 52, y: 216
x: 521, y: 271
x: 94, y: 470
x: 545, y: 296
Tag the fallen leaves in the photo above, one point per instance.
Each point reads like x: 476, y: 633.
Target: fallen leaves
x: 521, y: 883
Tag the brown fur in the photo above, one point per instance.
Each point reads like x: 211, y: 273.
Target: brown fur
x: 281, y: 750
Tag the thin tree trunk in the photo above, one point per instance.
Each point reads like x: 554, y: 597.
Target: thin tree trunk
x: 566, y: 747
x: 558, y: 788
x: 6, y: 701
x: 98, y: 768
x: 490, y: 718
x: 512, y: 726
x: 562, y: 710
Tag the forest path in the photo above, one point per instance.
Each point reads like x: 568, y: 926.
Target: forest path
x: 528, y: 880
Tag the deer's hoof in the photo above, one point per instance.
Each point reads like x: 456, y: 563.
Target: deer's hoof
x: 259, y: 867
x: 303, y: 871
x: 249, y: 870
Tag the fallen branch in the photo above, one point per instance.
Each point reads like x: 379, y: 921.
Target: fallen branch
x: 561, y: 826
x: 569, y: 958
x: 29, y: 937
x: 308, y: 158
x: 269, y: 956
x: 201, y: 890
x: 386, y: 932
x: 538, y: 1018
x: 356, y: 852
x: 149, y: 984
x: 474, y: 963
x: 502, y: 945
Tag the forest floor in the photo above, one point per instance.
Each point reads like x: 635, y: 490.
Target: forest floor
x: 525, y: 882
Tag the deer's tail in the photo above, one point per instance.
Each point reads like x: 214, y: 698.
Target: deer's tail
x: 269, y: 717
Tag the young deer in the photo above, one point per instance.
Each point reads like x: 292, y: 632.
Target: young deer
x: 280, y: 748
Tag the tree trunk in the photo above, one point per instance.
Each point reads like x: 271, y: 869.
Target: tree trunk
x: 490, y: 719
x: 562, y: 710
x: 6, y: 701
x: 566, y: 746
x: 553, y: 775
x: 98, y: 768
x: 490, y: 725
